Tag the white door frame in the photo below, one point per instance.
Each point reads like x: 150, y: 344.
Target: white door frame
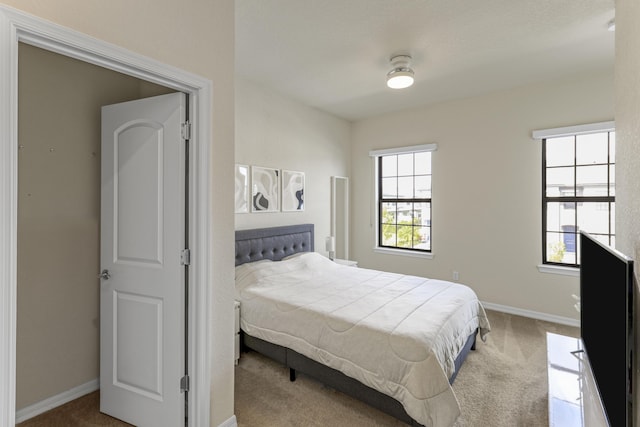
x: 15, y: 27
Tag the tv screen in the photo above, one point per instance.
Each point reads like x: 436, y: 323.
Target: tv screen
x: 606, y: 325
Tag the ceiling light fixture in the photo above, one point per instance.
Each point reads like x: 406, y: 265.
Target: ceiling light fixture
x: 401, y: 74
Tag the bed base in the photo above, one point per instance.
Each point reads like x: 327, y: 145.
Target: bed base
x: 296, y: 362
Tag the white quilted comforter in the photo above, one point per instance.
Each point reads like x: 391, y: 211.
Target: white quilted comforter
x: 396, y: 333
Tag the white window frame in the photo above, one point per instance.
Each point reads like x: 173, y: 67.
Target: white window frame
x: 539, y: 135
x: 375, y: 154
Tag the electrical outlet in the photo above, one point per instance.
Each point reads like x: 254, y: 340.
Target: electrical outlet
x: 456, y: 276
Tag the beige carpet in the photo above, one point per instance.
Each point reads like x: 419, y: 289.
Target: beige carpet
x: 503, y: 383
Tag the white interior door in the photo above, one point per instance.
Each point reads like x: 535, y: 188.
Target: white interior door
x: 142, y: 327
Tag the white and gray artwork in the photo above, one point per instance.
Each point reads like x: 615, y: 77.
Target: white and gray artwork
x: 292, y: 191
x: 242, y: 188
x: 265, y: 188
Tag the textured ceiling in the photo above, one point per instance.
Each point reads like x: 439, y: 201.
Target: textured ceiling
x: 334, y: 54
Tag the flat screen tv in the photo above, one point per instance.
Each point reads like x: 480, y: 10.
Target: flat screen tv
x: 606, y: 325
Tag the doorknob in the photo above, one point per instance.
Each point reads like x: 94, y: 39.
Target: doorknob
x: 104, y: 274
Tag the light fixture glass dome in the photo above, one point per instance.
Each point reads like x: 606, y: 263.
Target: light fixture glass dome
x: 400, y: 78
x: 401, y: 75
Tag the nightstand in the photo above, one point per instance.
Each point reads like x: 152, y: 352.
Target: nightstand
x: 237, y: 331
x: 346, y: 262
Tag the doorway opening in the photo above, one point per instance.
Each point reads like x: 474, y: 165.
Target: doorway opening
x: 16, y: 28
x: 58, y: 338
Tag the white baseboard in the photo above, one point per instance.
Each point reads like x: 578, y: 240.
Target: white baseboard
x: 532, y: 314
x: 231, y: 422
x: 57, y: 400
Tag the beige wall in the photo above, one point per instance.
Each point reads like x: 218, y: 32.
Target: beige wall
x: 277, y: 132
x: 486, y: 188
x: 196, y: 36
x: 627, y: 88
x: 58, y: 218
x: 628, y: 128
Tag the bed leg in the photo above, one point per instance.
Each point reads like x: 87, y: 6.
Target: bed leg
x: 292, y: 374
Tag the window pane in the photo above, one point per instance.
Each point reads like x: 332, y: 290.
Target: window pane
x: 553, y: 242
x: 389, y: 166
x: 559, y: 180
x: 613, y: 218
x: 425, y: 239
x: 423, y: 163
x: 405, y: 187
x: 560, y: 151
x: 388, y: 235
x: 422, y: 214
x: 405, y: 164
x: 390, y: 188
x: 592, y: 180
x: 423, y: 186
x: 592, y: 148
x: 570, y: 257
x: 612, y: 147
x: 612, y: 180
x: 592, y: 218
x: 388, y: 213
x: 557, y: 247
x: 405, y: 236
x: 405, y: 213
x: 569, y: 238
x: 555, y: 253
x: 560, y: 215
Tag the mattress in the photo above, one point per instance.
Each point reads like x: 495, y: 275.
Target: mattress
x: 398, y: 334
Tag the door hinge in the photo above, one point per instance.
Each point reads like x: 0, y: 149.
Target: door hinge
x: 186, y: 130
x: 185, y: 257
x: 184, y: 384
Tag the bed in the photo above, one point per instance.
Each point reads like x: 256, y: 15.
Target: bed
x: 395, y: 342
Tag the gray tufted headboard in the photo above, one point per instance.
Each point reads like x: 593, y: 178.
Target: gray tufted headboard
x: 273, y: 243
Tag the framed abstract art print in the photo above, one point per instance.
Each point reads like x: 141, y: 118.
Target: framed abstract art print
x: 292, y: 191
x: 265, y: 189
x: 242, y: 188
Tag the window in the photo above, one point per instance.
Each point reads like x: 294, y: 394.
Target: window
x: 403, y: 196
x: 578, y: 189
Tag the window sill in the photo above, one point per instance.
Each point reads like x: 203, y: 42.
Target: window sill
x: 400, y: 252
x: 558, y: 269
